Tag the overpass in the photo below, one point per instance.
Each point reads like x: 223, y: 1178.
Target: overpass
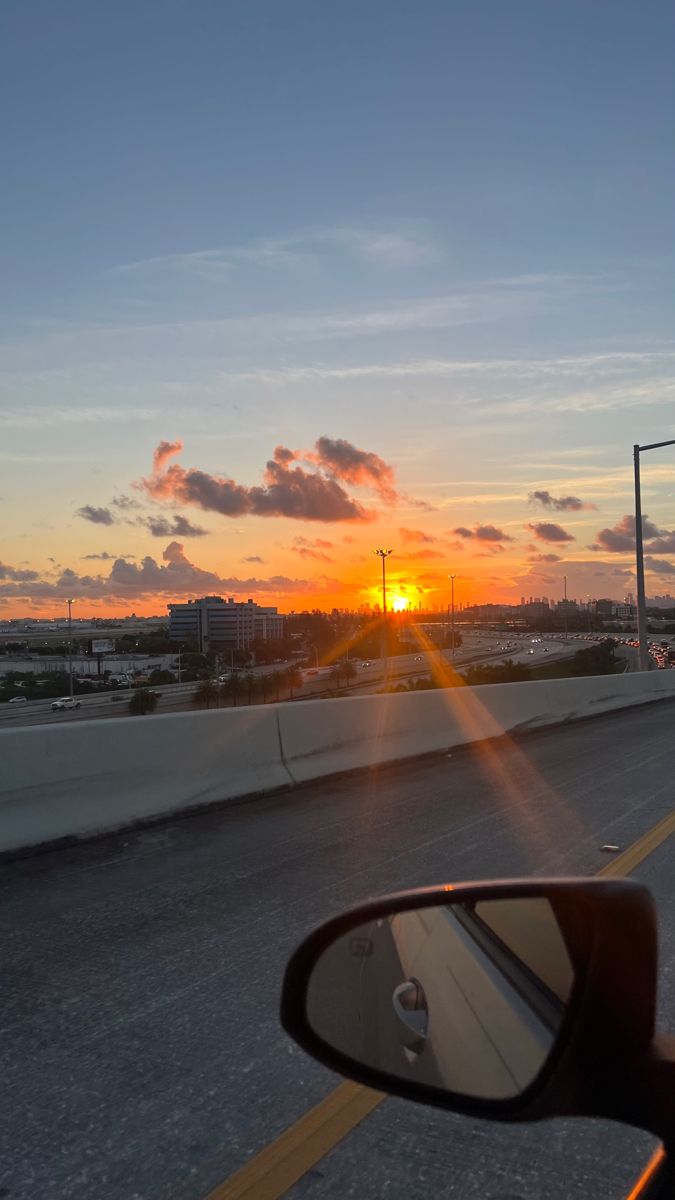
x: 141, y: 1048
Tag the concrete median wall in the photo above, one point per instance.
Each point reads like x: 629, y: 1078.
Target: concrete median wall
x: 90, y: 777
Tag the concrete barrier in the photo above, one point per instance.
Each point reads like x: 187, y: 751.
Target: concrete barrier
x: 93, y: 776
x: 90, y: 777
x: 335, y: 735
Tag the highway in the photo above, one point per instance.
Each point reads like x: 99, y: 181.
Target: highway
x: 141, y: 1052
x: 369, y: 678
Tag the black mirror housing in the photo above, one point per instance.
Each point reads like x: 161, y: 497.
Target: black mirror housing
x: 604, y: 1028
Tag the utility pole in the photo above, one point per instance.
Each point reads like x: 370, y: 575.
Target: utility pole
x: 639, y: 554
x: 452, y: 627
x: 565, y: 605
x: 384, y: 555
x: 70, y: 646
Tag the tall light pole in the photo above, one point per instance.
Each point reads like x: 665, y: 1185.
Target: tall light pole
x: 70, y: 646
x: 452, y: 625
x: 565, y: 605
x: 384, y: 555
x: 639, y: 554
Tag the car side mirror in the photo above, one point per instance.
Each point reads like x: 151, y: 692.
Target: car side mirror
x: 512, y: 1000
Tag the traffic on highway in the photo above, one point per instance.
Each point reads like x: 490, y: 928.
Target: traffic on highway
x: 478, y: 648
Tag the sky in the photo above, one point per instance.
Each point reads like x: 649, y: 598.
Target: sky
x: 284, y: 283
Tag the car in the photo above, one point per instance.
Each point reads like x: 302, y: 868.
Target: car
x: 18, y: 700
x: 417, y: 658
x: 65, y: 703
x: 364, y: 665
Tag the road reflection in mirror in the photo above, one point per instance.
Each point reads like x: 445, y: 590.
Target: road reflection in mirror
x: 465, y: 997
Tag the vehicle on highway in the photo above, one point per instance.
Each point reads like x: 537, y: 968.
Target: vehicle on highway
x: 65, y: 703
x: 18, y: 700
x: 497, y: 1000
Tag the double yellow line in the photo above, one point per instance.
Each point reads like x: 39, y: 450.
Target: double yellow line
x: 281, y: 1164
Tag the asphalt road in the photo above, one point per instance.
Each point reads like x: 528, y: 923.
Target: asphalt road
x: 178, y: 697
x: 141, y: 1052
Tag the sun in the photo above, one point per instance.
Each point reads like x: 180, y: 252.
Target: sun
x: 399, y: 603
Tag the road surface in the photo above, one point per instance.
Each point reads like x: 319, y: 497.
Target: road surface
x: 369, y: 679
x: 141, y: 1052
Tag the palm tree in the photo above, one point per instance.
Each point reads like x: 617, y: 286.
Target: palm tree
x: 349, y: 672
x: 293, y: 680
x: 336, y: 675
x: 206, y: 694
x: 250, y: 682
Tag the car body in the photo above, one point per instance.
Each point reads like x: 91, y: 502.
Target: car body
x: 18, y: 700
x: 65, y: 703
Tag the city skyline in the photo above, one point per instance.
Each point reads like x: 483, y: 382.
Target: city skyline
x: 245, y: 343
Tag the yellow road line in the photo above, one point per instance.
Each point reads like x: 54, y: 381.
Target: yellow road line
x: 624, y: 863
x: 281, y: 1164
x: 276, y: 1168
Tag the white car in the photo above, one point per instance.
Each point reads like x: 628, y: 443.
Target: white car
x: 18, y: 700
x: 65, y: 702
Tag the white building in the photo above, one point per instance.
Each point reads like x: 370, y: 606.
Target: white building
x: 223, y: 624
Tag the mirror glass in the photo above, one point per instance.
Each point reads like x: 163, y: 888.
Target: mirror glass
x: 467, y: 997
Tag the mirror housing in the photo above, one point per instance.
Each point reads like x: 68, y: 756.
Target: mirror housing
x: 595, y: 1066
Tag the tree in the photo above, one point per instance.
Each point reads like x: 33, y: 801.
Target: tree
x: 231, y: 688
x: 205, y: 694
x: 160, y: 676
x: 335, y: 675
x: 293, y: 680
x: 349, y: 672
x: 250, y: 683
x: 143, y: 701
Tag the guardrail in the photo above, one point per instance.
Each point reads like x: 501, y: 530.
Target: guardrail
x: 91, y: 777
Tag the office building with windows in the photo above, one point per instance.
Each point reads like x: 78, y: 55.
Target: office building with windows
x: 218, y: 624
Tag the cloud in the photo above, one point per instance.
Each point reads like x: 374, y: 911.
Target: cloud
x: 389, y: 247
x: 105, y: 557
x: 620, y: 538
x: 548, y: 531
x: 124, y: 502
x: 164, y: 451
x: 416, y: 536
x: 98, y: 516
x: 253, y: 558
x: 178, y: 527
x: 312, y: 549
x: 360, y: 468
x: 659, y: 566
x: 288, y: 490
x: 423, y: 554
x: 16, y: 574
x: 543, y: 558
x: 174, y: 577
x: 483, y: 533
x: 559, y: 503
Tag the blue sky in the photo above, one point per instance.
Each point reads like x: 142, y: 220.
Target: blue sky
x: 441, y: 232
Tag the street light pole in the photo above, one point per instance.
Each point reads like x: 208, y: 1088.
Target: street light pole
x: 565, y: 605
x: 452, y: 625
x: 639, y: 555
x: 70, y: 646
x: 384, y: 555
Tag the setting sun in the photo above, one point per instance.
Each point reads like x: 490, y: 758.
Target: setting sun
x: 398, y: 603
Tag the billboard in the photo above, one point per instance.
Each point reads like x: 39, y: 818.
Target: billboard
x: 102, y: 645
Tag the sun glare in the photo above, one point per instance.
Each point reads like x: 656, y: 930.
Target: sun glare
x: 399, y: 603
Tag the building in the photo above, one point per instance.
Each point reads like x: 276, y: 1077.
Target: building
x: 218, y: 624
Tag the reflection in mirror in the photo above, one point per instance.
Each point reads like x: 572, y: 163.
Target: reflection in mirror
x: 468, y: 997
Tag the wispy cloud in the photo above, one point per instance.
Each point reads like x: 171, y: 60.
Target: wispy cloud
x: 390, y: 247
x: 38, y: 418
x: 600, y: 366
